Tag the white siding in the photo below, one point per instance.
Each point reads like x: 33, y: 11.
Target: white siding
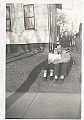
x: 19, y: 35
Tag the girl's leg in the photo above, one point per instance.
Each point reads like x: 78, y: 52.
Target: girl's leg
x: 51, y: 67
x: 56, y: 72
x: 64, y: 70
x: 45, y: 72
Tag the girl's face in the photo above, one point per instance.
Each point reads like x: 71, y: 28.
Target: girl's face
x: 59, y: 49
x: 55, y: 50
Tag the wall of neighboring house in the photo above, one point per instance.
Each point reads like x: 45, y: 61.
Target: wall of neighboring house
x: 18, y: 34
x: 53, y: 32
x: 79, y: 40
x: 52, y: 25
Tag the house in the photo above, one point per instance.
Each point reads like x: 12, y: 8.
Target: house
x: 78, y: 39
x: 30, y: 26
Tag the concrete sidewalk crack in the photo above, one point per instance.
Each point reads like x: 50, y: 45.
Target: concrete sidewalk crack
x: 29, y: 105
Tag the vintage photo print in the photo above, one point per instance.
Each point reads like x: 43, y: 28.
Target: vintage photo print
x: 43, y: 59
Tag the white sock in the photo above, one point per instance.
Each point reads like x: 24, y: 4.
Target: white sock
x: 62, y: 77
x: 56, y: 77
x: 45, y: 73
x: 51, y: 73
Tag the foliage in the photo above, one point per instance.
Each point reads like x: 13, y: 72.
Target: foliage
x: 62, y: 21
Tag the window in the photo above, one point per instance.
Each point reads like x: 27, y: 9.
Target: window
x: 29, y: 18
x: 8, y: 18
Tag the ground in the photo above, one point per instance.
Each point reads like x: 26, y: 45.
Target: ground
x: 24, y: 73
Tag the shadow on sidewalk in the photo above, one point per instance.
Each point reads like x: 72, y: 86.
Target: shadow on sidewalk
x: 25, y: 86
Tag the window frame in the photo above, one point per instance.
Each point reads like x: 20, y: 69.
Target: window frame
x: 28, y: 17
x: 9, y: 18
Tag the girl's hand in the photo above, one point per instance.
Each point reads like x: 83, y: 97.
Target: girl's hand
x: 50, y: 60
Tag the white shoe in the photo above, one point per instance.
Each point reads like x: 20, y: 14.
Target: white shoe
x: 51, y: 73
x: 62, y: 76
x: 56, y: 77
x: 45, y: 73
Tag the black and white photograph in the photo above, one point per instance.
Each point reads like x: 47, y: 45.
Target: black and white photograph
x: 43, y: 60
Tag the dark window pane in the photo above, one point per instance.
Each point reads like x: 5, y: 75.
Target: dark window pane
x: 8, y: 18
x: 28, y: 10
x: 29, y: 22
x: 8, y: 25
x: 29, y: 19
x: 7, y: 12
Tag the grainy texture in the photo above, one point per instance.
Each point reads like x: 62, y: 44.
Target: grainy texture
x: 19, y: 67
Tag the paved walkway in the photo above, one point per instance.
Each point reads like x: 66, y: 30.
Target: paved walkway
x: 45, y: 106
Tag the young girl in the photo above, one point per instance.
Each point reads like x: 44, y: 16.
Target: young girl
x: 49, y: 68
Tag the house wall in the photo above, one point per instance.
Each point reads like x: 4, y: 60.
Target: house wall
x: 23, y: 39
x: 19, y: 35
x: 79, y: 40
x: 54, y: 23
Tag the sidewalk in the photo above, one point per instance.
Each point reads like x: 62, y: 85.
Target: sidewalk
x: 45, y: 106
